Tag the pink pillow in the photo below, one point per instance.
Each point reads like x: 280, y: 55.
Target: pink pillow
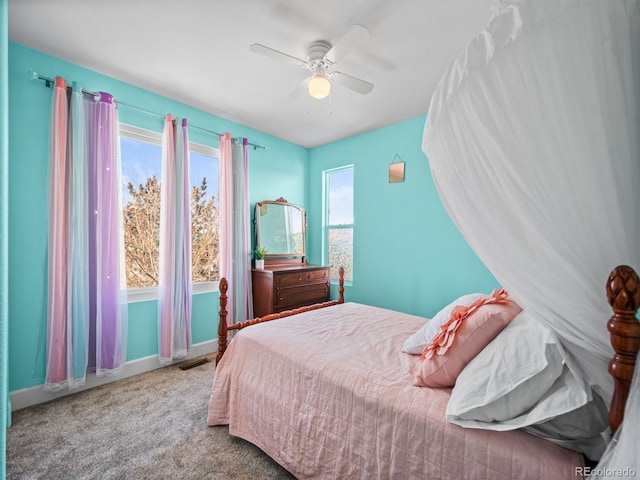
x: 461, y: 340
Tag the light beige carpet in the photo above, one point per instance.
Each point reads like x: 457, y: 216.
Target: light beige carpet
x: 150, y: 426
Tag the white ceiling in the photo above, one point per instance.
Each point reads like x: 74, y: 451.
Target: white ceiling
x: 197, y: 52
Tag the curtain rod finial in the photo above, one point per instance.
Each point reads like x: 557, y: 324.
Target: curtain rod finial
x: 31, y: 75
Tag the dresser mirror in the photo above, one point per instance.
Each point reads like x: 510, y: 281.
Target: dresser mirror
x: 280, y: 228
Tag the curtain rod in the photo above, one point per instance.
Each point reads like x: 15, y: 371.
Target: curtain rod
x: 50, y: 81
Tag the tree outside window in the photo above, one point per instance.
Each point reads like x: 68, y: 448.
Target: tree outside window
x: 141, y: 157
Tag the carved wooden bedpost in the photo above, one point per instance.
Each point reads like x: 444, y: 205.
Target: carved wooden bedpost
x: 222, y: 324
x: 341, y: 285
x: 223, y: 328
x: 623, y: 293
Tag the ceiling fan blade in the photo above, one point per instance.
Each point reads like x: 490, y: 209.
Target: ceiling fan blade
x: 351, y: 40
x: 353, y: 83
x: 295, y: 93
x: 270, y: 52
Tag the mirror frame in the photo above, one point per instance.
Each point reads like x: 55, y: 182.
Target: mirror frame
x: 256, y: 219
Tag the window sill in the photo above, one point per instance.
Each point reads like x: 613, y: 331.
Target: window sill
x: 151, y: 293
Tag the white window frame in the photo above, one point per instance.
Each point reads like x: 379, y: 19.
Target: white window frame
x: 144, y: 135
x: 325, y: 218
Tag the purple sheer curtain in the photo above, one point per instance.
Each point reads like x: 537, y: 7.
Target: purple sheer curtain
x: 235, y: 232
x: 174, y: 301
x: 87, y: 310
x: 106, y: 301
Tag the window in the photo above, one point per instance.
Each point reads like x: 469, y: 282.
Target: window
x: 205, y: 185
x: 141, y: 158
x: 339, y: 220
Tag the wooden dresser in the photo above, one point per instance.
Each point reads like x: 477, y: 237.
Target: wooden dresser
x: 284, y: 287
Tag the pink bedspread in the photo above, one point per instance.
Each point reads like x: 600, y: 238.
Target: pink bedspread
x: 326, y: 394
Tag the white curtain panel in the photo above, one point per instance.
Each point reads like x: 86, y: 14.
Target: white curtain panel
x: 532, y: 139
x: 243, y: 295
x: 235, y: 228
x: 174, y: 299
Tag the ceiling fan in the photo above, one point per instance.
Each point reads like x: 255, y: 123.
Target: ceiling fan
x: 321, y: 58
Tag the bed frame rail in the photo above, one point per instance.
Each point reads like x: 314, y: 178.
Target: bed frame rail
x: 223, y: 327
x: 623, y: 293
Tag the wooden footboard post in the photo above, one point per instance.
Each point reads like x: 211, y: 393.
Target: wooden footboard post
x: 222, y: 323
x: 341, y: 285
x: 623, y: 293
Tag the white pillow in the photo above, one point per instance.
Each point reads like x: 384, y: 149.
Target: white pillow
x: 584, y: 429
x: 521, y: 378
x: 415, y: 343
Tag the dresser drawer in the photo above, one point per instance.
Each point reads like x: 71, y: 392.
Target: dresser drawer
x: 284, y: 288
x: 292, y: 297
x: 286, y: 279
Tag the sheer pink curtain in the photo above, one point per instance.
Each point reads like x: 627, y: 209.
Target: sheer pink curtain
x: 57, y: 278
x: 174, y: 301
x: 235, y: 231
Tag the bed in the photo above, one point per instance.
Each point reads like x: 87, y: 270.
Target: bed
x: 325, y: 391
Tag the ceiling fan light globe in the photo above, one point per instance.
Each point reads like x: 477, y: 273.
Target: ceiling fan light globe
x: 319, y: 87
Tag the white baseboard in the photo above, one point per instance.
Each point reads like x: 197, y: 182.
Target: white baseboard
x: 35, y: 395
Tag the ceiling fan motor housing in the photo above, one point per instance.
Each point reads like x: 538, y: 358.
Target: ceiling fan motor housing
x: 317, y: 50
x: 317, y: 62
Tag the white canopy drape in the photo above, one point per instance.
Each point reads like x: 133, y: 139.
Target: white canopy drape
x: 532, y: 139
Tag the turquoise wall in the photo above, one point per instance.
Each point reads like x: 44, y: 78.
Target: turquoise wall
x: 408, y: 254
x: 281, y: 170
x: 4, y: 244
